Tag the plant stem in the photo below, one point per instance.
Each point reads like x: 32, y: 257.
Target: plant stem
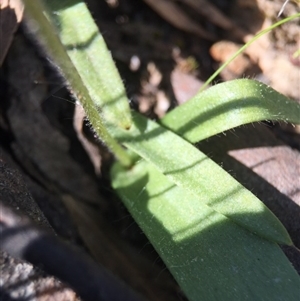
x: 257, y: 36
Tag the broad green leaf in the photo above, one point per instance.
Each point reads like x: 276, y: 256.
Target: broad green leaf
x: 192, y: 170
x: 211, y: 257
x: 229, y: 105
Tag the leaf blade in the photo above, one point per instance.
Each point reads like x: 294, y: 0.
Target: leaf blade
x: 192, y: 170
x: 43, y: 27
x: 229, y: 105
x: 89, y: 54
x: 197, y: 243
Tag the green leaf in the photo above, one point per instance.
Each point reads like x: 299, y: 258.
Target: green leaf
x: 244, y: 47
x: 210, y: 256
x: 229, y: 105
x: 192, y: 170
x: 80, y: 53
x: 88, y: 52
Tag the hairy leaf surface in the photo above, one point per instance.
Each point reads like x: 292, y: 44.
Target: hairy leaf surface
x: 228, y: 105
x: 192, y: 170
x: 211, y: 257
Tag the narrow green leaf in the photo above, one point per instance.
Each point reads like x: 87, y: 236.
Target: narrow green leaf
x: 237, y: 53
x: 90, y: 56
x: 228, y: 105
x: 192, y: 170
x: 84, y: 79
x: 211, y: 257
